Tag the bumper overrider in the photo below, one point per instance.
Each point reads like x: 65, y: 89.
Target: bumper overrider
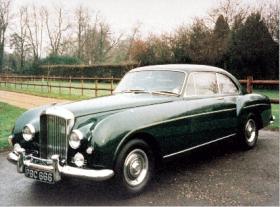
x: 53, y: 165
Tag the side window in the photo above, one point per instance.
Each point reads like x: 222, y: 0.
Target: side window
x: 226, y: 85
x: 201, y: 84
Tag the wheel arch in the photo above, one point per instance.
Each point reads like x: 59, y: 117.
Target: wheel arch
x: 148, y: 138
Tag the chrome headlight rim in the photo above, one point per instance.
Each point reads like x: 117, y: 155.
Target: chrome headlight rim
x: 75, y: 144
x: 28, y: 136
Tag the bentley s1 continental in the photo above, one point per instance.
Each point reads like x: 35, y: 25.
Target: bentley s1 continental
x: 156, y: 112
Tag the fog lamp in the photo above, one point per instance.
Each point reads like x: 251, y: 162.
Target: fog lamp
x: 79, y: 159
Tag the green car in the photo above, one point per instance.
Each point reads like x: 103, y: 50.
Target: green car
x: 156, y: 112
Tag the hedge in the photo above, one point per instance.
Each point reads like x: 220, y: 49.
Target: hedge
x: 102, y: 71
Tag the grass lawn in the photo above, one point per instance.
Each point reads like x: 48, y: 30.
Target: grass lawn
x: 8, y: 116
x: 273, y: 94
x: 275, y: 112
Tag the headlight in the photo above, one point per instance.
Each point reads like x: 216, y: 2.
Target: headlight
x: 28, y: 132
x: 75, y: 139
x: 79, y: 160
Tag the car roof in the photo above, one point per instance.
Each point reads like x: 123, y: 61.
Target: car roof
x: 180, y: 67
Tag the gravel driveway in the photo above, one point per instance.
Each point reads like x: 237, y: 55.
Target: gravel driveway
x: 26, y: 101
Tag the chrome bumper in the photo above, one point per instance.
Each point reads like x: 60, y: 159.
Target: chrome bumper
x: 52, y: 165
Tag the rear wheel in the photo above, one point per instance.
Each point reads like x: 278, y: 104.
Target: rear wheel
x: 134, y: 167
x: 249, y: 133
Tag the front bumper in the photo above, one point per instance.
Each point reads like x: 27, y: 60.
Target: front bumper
x: 53, y: 165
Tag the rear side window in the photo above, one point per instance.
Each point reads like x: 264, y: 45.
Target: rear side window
x: 226, y: 85
x: 202, y: 84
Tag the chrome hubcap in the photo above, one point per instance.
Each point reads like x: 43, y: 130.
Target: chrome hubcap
x: 136, y: 167
x: 250, y: 130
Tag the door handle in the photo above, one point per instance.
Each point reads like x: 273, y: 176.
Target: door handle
x: 220, y: 98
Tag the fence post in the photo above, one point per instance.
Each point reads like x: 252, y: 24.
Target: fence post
x: 112, y: 82
x: 50, y: 85
x: 42, y: 83
x: 82, y: 85
x: 249, y: 84
x: 15, y: 82
x: 60, y: 80
x: 70, y: 85
x: 96, y: 86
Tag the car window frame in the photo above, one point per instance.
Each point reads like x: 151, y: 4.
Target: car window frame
x: 219, y: 94
x: 223, y: 94
x: 199, y: 96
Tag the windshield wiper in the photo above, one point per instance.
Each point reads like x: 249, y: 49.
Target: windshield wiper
x: 166, y: 93
x: 134, y: 91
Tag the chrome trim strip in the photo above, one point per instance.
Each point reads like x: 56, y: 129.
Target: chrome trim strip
x: 191, y: 148
x: 166, y: 121
x: 262, y: 104
x: 59, y: 111
x: 184, y: 117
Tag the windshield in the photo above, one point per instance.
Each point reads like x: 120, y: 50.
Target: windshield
x: 152, y: 81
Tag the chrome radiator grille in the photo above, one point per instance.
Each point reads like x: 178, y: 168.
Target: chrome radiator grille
x: 53, y: 136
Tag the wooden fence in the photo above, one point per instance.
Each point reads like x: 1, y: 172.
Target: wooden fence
x: 80, y: 83
x: 52, y: 82
x: 250, y: 82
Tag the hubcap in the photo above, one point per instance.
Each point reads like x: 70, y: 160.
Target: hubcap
x: 250, y: 130
x: 136, y: 167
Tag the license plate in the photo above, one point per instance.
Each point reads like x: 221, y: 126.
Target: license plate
x: 42, y: 176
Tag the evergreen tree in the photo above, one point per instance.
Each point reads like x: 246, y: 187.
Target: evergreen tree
x: 220, y: 42
x: 253, y: 50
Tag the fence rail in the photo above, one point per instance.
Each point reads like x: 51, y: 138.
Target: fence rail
x: 93, y: 84
x: 51, y: 82
x: 250, y: 82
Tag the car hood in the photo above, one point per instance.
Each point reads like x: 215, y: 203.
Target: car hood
x: 115, y: 102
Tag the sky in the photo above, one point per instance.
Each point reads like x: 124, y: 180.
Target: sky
x: 153, y: 16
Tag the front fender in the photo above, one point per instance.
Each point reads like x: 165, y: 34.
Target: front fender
x: 109, y: 134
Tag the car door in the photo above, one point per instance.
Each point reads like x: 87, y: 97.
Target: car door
x: 229, y: 92
x: 207, y: 108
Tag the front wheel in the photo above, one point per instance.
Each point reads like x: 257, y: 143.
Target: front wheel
x: 249, y: 133
x: 134, y: 167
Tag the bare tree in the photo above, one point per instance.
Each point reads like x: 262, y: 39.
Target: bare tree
x: 230, y: 9
x: 132, y: 38
x: 34, y: 24
x: 55, y: 33
x: 82, y: 20
x: 270, y: 12
x: 4, y: 21
x: 18, y: 40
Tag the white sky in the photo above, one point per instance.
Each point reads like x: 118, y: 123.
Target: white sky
x: 154, y: 16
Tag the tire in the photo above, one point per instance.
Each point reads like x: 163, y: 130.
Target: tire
x: 249, y: 132
x: 134, y: 167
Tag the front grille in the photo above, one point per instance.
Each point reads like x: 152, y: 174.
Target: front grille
x: 53, y: 136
